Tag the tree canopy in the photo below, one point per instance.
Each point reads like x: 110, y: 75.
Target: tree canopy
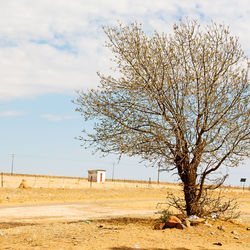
x: 179, y: 100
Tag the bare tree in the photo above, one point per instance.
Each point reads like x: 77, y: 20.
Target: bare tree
x: 179, y: 100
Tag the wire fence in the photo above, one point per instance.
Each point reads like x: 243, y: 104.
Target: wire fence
x: 46, y: 181
x: 8, y: 180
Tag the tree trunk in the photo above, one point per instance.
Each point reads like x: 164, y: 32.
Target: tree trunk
x: 190, y: 190
x: 190, y: 198
x: 188, y: 175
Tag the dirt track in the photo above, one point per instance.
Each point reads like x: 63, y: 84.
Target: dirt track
x: 117, y: 233
x: 71, y: 211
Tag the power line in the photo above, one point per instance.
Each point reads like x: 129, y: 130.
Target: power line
x: 68, y: 159
x: 113, y: 171
x: 48, y: 158
x: 12, y: 163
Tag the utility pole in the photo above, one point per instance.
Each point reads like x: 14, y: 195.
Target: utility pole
x: 2, y: 179
x: 113, y: 171
x: 12, y: 163
x: 158, y: 178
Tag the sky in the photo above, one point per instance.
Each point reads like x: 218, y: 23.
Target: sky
x: 50, y: 49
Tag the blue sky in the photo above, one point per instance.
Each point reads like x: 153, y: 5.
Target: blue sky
x: 49, y: 49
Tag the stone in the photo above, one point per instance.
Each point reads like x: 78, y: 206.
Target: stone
x: 214, y: 216
x: 208, y: 225
x: 172, y: 221
x: 187, y: 223
x: 23, y: 184
x: 159, y: 226
x: 86, y: 221
x: 221, y: 228
x: 109, y: 228
x: 217, y: 243
x: 180, y: 226
x: 212, y: 233
x: 236, y: 237
x: 191, y: 217
x: 248, y: 228
x: 234, y: 232
x: 195, y: 222
x: 182, y: 217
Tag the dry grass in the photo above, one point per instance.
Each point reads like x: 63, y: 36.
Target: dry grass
x: 115, y: 233
x: 45, y: 195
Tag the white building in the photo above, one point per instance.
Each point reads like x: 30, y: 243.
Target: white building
x: 97, y: 175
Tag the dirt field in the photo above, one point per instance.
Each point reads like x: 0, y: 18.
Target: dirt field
x: 112, y: 215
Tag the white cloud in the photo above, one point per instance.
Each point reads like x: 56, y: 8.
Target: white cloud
x: 56, y: 117
x: 12, y: 113
x: 57, y: 46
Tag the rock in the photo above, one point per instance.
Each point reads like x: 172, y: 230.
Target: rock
x: 236, y: 237
x: 111, y: 228
x: 212, y: 233
x: 86, y: 221
x: 193, y: 217
x: 208, y: 225
x: 234, y: 232
x: 221, y: 228
x: 186, y: 223
x: 172, y: 221
x: 23, y: 184
x: 214, y: 216
x: 217, y: 243
x: 159, y: 226
x: 182, y: 217
x: 1, y: 234
x: 195, y: 222
x: 248, y: 228
x: 180, y: 226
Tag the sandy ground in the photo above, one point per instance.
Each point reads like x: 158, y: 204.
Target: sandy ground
x: 110, y: 216
x: 74, y: 211
x: 118, y: 234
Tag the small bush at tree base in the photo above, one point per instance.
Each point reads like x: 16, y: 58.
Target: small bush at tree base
x: 164, y: 214
x: 209, y: 205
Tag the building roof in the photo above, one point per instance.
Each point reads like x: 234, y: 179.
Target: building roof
x: 96, y: 170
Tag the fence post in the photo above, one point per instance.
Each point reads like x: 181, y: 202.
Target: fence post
x: 91, y: 181
x: 149, y: 182
x: 2, y: 179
